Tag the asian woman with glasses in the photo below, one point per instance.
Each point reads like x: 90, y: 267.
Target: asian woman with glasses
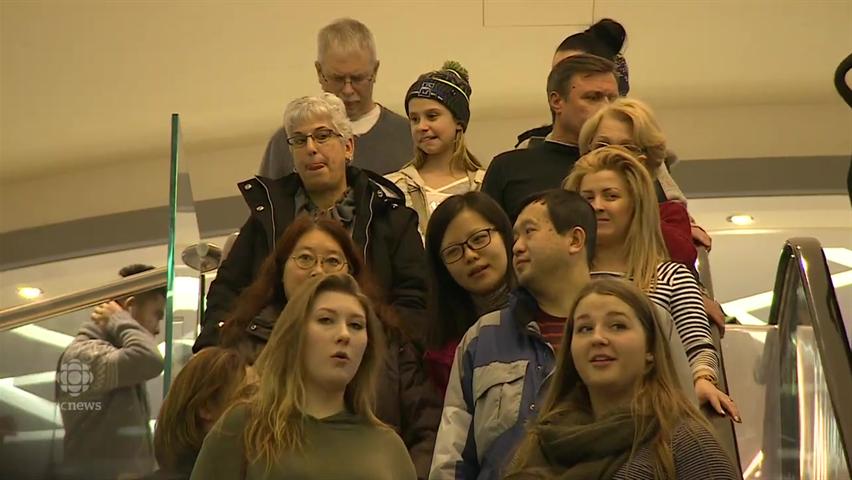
x: 310, y: 248
x: 469, y: 252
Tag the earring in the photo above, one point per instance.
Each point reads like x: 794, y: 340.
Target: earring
x: 649, y: 358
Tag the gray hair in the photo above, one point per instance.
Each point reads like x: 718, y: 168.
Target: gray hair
x: 324, y: 106
x: 345, y: 35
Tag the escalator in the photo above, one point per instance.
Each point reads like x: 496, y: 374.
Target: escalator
x: 791, y: 378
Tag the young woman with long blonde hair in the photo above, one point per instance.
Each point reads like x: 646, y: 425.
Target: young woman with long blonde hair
x: 630, y: 244
x: 613, y: 409
x: 311, y: 413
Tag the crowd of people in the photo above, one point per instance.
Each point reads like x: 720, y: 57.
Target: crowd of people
x: 393, y: 309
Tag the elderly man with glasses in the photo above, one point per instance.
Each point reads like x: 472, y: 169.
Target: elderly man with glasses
x: 347, y: 67
x: 324, y: 184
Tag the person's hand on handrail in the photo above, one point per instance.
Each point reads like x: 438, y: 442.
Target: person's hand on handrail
x: 718, y: 400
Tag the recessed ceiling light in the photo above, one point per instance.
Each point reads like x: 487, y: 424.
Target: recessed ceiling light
x: 29, y: 293
x: 741, y: 219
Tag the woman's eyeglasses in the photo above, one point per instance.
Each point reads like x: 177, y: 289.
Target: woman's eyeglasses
x: 477, y: 241
x: 330, y: 263
x: 320, y: 135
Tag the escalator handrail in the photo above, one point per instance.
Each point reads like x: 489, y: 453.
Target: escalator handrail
x: 722, y: 426
x: 804, y: 257
x: 26, y: 314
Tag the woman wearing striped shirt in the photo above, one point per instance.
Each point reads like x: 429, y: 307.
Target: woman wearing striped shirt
x: 612, y: 409
x: 630, y: 243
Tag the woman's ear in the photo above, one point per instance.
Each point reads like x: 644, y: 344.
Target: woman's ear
x: 349, y: 150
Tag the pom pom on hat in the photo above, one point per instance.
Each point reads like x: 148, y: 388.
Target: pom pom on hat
x: 449, y: 86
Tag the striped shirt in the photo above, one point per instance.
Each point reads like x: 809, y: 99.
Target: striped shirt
x: 677, y: 291
x: 696, y: 452
x: 551, y: 328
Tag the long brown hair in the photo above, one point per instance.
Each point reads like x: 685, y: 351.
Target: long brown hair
x: 658, y: 394
x: 208, y: 381
x: 644, y: 245
x: 268, y: 289
x: 277, y: 404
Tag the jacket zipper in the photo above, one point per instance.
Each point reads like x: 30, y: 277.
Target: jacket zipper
x: 271, y: 212
x: 540, y: 338
x: 369, y: 221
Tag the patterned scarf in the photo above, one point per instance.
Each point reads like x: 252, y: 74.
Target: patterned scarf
x: 343, y: 209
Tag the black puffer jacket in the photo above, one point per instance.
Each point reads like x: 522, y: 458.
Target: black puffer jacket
x: 384, y: 228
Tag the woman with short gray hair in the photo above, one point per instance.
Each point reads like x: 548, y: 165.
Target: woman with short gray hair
x: 325, y: 185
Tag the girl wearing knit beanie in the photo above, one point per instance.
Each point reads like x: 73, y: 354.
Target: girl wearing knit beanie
x: 438, y: 109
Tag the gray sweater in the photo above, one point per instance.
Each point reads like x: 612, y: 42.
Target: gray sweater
x: 103, y: 401
x: 383, y: 149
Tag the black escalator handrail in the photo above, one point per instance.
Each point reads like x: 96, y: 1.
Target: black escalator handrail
x: 33, y: 312
x: 804, y: 257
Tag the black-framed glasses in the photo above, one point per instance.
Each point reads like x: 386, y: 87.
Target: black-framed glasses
x: 337, y: 82
x: 330, y: 263
x: 320, y: 135
x: 477, y: 241
x: 634, y: 149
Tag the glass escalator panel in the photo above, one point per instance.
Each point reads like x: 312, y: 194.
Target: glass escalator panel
x: 53, y: 401
x: 821, y: 452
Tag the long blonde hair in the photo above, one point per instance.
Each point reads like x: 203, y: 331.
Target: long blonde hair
x: 657, y: 395
x: 461, y: 160
x: 644, y: 245
x: 277, y: 404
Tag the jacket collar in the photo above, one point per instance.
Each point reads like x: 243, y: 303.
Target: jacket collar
x: 272, y: 202
x: 415, y: 182
x: 524, y: 308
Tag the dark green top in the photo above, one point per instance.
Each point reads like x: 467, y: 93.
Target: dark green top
x: 342, y: 446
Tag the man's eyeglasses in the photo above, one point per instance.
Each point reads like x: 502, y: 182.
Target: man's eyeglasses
x: 634, y: 149
x: 330, y: 263
x: 321, y: 135
x: 339, y: 81
x: 477, y: 241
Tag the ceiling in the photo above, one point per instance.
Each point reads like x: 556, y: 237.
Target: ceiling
x: 93, y: 83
